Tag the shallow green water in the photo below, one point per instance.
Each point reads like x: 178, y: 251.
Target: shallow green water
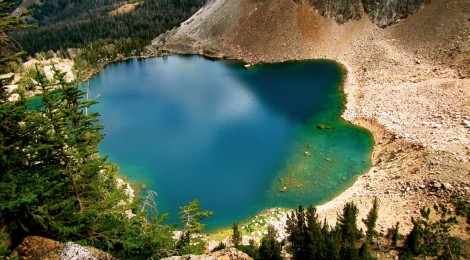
x: 232, y: 137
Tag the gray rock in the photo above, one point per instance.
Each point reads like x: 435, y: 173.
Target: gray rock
x: 382, y: 12
x: 341, y: 10
x: 447, y: 186
x: 72, y: 251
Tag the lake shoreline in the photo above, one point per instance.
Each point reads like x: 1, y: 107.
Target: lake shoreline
x: 319, y: 81
x: 382, y: 179
x: 370, y: 95
x: 398, y: 86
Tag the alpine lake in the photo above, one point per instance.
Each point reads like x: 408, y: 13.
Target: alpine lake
x: 239, y: 139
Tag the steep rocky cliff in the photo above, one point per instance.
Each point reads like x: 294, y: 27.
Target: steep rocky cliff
x: 386, y: 12
x: 382, y: 12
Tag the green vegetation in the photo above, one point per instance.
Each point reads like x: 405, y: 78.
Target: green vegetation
x: 9, y: 49
x: 54, y: 184
x: 431, y: 238
x: 75, y: 24
x: 236, y: 236
x: 270, y: 249
x: 251, y: 249
x: 190, y: 219
x: 371, y: 220
x: 309, y: 239
x: 393, y: 234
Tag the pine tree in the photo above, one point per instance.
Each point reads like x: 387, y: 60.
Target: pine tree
x: 270, y: 249
x: 349, y: 233
x: 331, y: 242
x: 371, y: 220
x: 38, y: 194
x: 191, y: 217
x: 314, y: 237
x: 309, y: 238
x: 236, y: 235
x: 413, y: 240
x: 393, y: 234
x: 347, y: 223
x: 54, y: 184
x: 9, y: 49
x: 297, y: 230
x: 364, y: 253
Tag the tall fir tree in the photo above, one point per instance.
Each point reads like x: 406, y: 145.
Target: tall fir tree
x: 297, y: 230
x: 371, y: 219
x: 347, y: 223
x: 236, y: 235
x: 270, y: 248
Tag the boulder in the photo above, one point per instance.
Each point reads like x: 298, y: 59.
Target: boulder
x: 35, y: 247
x: 447, y: 186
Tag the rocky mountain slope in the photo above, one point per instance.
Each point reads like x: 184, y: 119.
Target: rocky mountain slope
x: 408, y: 82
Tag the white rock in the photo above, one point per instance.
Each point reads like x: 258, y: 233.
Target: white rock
x: 72, y: 251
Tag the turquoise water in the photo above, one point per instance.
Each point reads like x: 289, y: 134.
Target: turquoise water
x: 232, y: 137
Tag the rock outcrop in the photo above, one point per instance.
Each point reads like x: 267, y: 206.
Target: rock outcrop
x: 340, y: 10
x: 72, y: 251
x: 382, y: 12
x: 35, y: 247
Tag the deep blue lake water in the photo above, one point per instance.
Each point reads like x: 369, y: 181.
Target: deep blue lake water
x: 239, y: 139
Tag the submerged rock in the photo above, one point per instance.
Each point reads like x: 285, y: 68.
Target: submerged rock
x: 321, y: 126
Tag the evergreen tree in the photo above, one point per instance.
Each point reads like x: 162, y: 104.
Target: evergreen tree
x: 348, y: 251
x: 371, y: 220
x: 314, y: 238
x: 251, y: 249
x: 54, y: 184
x: 432, y: 238
x: 297, y: 230
x: 364, y: 253
x: 331, y: 242
x: 308, y: 238
x: 191, y: 216
x: 9, y: 49
x: 349, y: 233
x: 413, y: 239
x: 54, y: 162
x: 393, y: 234
x: 84, y: 22
x: 236, y: 235
x: 270, y: 249
x: 347, y: 223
